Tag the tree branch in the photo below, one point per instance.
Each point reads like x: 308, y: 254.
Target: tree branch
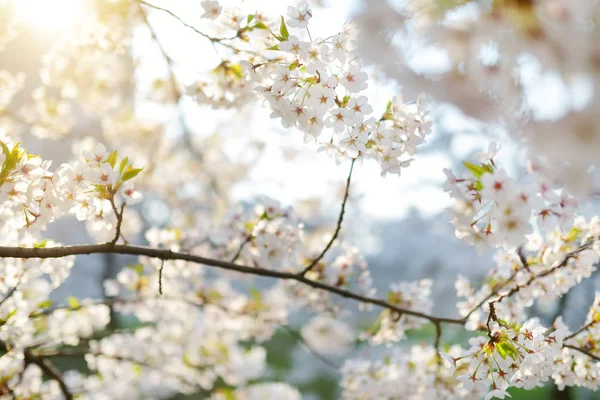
x: 119, y: 216
x: 214, y: 40
x: 587, y: 353
x: 163, y: 254
x: 46, y: 366
x: 241, y: 248
x: 338, y: 228
x: 583, y: 328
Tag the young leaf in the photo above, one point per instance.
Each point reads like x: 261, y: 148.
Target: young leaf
x: 112, y: 158
x: 131, y: 173
x: 123, y: 164
x: 45, y: 304
x: 73, y: 302
x: 475, y: 169
x: 283, y: 31
x: 261, y: 25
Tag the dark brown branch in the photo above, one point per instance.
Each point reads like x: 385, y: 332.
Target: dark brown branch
x: 587, y: 353
x: 49, y: 370
x: 438, y: 337
x: 338, y: 227
x: 523, y: 259
x: 241, y: 248
x: 160, y: 276
x: 583, y: 328
x: 119, y: 216
x: 9, y: 294
x: 163, y: 254
x: 562, y: 264
x: 514, y: 290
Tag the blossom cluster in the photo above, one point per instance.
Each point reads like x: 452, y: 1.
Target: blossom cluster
x: 416, y: 374
x: 195, y: 328
x: 520, y: 356
x: 391, y: 326
x: 316, y: 86
x: 491, y: 208
x: 554, y: 266
x: 33, y: 196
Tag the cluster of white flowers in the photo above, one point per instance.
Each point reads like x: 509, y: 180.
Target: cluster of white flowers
x: 328, y: 335
x: 315, y: 86
x: 492, y: 208
x: 414, y: 375
x: 32, y: 196
x: 391, y: 326
x: 556, y: 265
x: 197, y: 329
x: 575, y: 368
x: 520, y: 356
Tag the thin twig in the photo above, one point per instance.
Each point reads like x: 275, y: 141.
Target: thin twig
x: 437, y: 339
x: 587, y: 353
x: 311, y: 350
x: 523, y: 259
x: 163, y: 254
x: 119, y: 216
x: 9, y: 294
x: 239, y: 250
x: 338, y: 228
x: 49, y: 370
x: 517, y: 288
x: 162, y: 50
x: 583, y: 328
x: 199, y: 32
x: 160, y: 274
x: 562, y: 264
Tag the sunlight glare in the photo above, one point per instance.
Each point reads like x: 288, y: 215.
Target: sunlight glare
x: 50, y: 15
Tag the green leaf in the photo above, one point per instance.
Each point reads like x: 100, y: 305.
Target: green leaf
x: 377, y: 325
x: 250, y: 18
x: 295, y: 64
x: 214, y: 294
x: 9, y: 316
x: 475, y: 169
x: 73, y: 303
x: 139, y: 268
x: 345, y: 101
x: 131, y: 173
x: 256, y: 294
x: 507, y: 349
x: 226, y: 394
x: 283, y: 31
x: 112, y: 158
x: 488, y: 167
x: 41, y: 245
x: 501, y: 350
x: 123, y: 164
x: 261, y: 25
x: 276, y: 47
x: 45, y: 304
x: 137, y: 369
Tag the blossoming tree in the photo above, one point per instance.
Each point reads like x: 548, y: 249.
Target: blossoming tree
x: 203, y: 321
